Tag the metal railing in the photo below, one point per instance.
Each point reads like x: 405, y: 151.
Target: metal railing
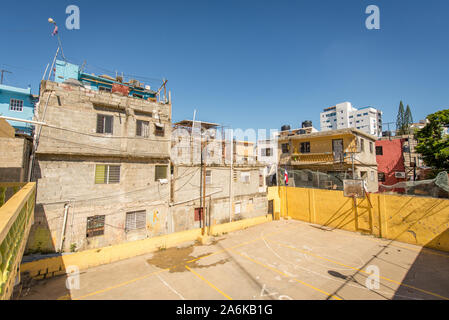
x: 16, y: 217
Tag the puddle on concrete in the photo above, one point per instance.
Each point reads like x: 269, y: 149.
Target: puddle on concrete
x: 176, y: 259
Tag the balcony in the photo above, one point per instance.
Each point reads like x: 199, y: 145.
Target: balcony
x: 16, y: 217
x: 308, y: 158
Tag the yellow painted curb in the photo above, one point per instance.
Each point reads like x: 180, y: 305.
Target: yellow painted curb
x: 46, y: 268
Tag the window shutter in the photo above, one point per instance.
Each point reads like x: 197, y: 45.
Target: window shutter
x: 139, y: 128
x: 100, y: 174
x: 145, y: 129
x: 100, y: 124
x: 108, y: 124
x: 135, y: 220
x: 114, y: 174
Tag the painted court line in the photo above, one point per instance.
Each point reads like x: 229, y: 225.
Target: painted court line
x: 357, y: 269
x: 120, y: 284
x: 209, y: 283
x: 285, y: 275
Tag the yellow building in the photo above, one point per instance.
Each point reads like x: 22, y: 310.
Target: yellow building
x: 331, y: 152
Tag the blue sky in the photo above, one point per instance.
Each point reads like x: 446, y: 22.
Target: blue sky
x: 248, y: 64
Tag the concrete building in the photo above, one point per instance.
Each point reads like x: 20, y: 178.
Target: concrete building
x: 390, y: 161
x: 232, y: 192
x: 102, y: 163
x: 14, y: 154
x: 344, y: 115
x: 17, y: 103
x: 332, y: 152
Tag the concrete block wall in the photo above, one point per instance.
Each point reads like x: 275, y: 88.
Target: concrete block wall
x: 71, y: 180
x: 14, y: 159
x: 75, y: 109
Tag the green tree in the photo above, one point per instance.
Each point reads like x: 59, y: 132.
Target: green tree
x: 432, y: 144
x: 400, y: 120
x: 408, y: 119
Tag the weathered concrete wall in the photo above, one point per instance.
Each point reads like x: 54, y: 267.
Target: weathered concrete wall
x: 416, y: 220
x: 72, y: 181
x: 246, y: 196
x: 14, y: 159
x: 70, y: 148
x: 46, y: 268
x: 75, y: 109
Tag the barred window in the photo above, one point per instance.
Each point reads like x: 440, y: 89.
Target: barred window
x: 285, y: 147
x: 16, y: 105
x: 107, y: 174
x: 142, y: 128
x: 95, y: 226
x: 104, y: 123
x: 135, y: 220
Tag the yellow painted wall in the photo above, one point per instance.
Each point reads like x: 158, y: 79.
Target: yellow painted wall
x: 323, y: 144
x: 416, y: 220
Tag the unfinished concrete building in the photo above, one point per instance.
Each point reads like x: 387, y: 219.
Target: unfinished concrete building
x: 101, y: 163
x: 232, y: 192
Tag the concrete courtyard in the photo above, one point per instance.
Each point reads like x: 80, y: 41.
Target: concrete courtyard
x: 284, y: 259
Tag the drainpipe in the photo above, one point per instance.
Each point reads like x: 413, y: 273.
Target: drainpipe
x: 61, y: 242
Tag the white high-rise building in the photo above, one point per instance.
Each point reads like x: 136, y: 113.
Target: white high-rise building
x: 344, y: 115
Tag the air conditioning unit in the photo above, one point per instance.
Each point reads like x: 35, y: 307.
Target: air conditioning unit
x: 400, y: 175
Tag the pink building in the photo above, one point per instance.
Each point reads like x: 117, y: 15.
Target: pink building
x: 390, y: 161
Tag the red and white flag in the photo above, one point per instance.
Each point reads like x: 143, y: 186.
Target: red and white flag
x: 55, y: 30
x: 286, y: 177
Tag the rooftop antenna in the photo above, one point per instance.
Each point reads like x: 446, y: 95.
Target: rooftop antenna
x: 3, y: 71
x: 55, y: 32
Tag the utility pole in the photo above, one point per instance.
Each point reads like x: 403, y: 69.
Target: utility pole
x: 3, y: 71
x: 231, y: 173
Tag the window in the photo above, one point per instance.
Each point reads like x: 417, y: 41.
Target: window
x: 136, y: 95
x: 285, y: 147
x: 160, y: 173
x: 208, y: 177
x: 135, y: 220
x: 245, y: 177
x: 371, y: 147
x: 16, y: 105
x: 237, y: 208
x: 104, y: 89
x: 379, y: 151
x: 159, y: 130
x: 104, y: 123
x: 371, y: 175
x: 305, y: 147
x: 107, y: 174
x: 142, y: 128
x: 95, y: 226
x: 381, y: 177
x: 362, y: 144
x: 267, y: 152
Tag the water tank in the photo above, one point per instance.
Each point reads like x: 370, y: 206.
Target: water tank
x: 306, y: 124
x: 285, y: 127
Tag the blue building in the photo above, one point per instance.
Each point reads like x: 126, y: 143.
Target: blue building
x: 17, y: 103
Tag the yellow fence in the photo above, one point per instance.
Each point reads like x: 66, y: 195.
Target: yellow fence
x: 416, y: 220
x: 16, y: 217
